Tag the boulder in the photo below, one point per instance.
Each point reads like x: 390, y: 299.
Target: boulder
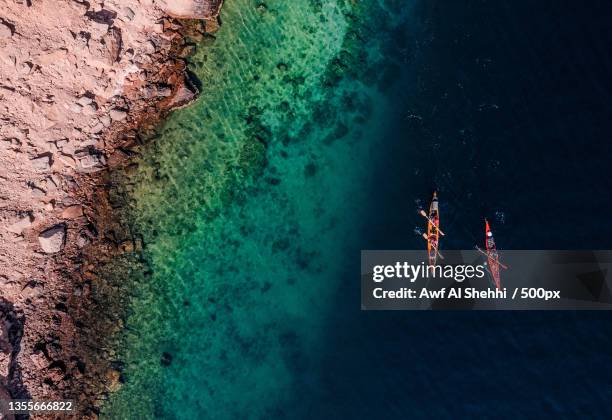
x: 21, y: 224
x: 41, y: 163
x: 91, y: 162
x: 117, y: 114
x: 84, y: 100
x: 192, y: 9
x: 52, y: 240
x: 184, y: 95
x: 5, y: 30
x: 72, y: 212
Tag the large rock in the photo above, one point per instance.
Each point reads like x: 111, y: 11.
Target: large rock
x: 41, y: 163
x: 91, y: 163
x: 117, y: 114
x: 184, y: 95
x: 192, y: 9
x: 52, y: 239
x: 22, y: 224
x: 72, y: 212
x: 5, y: 30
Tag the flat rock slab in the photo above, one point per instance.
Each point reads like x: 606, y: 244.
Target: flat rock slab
x: 5, y: 30
x: 72, y: 212
x: 22, y: 224
x: 41, y: 163
x: 192, y: 9
x: 118, y: 115
x: 52, y: 240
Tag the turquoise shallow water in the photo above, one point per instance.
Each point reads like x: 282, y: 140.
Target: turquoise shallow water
x: 249, y: 203
x: 321, y: 126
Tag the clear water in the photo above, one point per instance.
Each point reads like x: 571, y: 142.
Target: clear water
x: 321, y: 126
x: 250, y: 203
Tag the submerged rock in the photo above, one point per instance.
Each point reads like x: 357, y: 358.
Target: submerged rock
x: 166, y: 359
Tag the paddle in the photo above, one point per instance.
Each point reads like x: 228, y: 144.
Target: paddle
x: 487, y: 255
x: 422, y: 213
x: 437, y: 251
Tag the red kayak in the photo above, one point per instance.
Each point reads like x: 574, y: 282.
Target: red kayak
x: 492, y: 255
x: 433, y: 230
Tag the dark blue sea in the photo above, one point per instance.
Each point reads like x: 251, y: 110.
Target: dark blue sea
x: 509, y: 117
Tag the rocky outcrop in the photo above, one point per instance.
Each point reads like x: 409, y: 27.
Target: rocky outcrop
x: 79, y: 82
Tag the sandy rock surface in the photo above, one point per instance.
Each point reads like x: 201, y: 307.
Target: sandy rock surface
x: 77, y: 80
x: 63, y: 69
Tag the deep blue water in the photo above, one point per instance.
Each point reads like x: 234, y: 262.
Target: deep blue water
x: 507, y: 114
x: 514, y: 110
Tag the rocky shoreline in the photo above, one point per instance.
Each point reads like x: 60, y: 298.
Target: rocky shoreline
x: 81, y: 85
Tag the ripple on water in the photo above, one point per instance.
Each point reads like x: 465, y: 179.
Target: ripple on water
x: 245, y: 202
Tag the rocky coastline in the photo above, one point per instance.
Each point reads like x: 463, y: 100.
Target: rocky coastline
x: 81, y: 84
